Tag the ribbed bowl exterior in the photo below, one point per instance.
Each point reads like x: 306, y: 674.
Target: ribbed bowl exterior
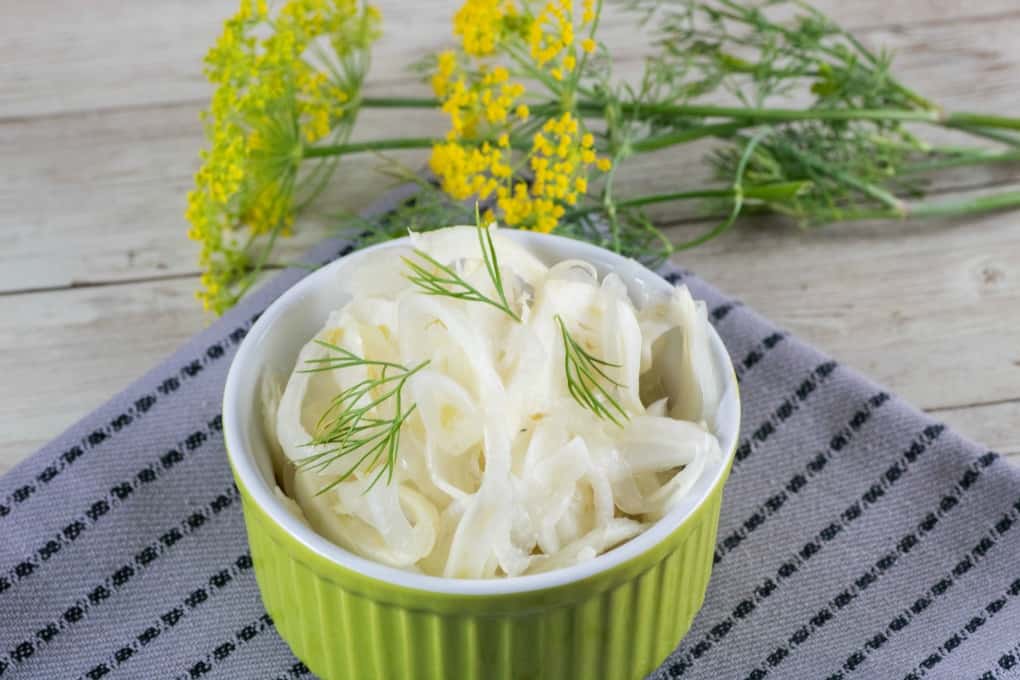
x: 618, y: 624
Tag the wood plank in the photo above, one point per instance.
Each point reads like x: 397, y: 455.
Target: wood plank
x: 58, y: 58
x: 929, y: 309
x: 996, y: 422
x: 106, y: 336
x: 104, y: 199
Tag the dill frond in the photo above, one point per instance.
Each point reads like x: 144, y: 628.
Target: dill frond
x: 351, y: 425
x: 440, y: 279
x: 587, y: 379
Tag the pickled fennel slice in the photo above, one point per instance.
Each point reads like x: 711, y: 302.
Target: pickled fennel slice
x: 503, y: 461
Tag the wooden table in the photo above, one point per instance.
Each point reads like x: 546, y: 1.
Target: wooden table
x: 99, y: 134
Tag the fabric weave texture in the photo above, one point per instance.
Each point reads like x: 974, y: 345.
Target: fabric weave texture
x: 859, y: 538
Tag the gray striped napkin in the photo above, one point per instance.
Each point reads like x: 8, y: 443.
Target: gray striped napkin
x: 858, y: 538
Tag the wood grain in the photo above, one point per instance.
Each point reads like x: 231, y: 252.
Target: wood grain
x: 98, y: 141
x: 63, y: 56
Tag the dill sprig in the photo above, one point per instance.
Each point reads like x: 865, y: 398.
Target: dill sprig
x: 587, y: 378
x: 351, y: 424
x: 443, y: 280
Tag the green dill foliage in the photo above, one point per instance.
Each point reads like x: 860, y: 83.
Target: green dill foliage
x: 847, y: 165
x: 848, y: 151
x: 587, y: 380
x: 351, y: 426
x: 435, y: 278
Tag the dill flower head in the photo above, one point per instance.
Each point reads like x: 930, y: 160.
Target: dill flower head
x: 479, y: 103
x: 532, y: 170
x: 281, y: 82
x: 560, y: 157
x: 483, y: 24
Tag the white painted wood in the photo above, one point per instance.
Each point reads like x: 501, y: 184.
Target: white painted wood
x: 98, y: 141
x: 127, y: 220
x: 59, y: 56
x: 997, y: 424
x: 930, y: 309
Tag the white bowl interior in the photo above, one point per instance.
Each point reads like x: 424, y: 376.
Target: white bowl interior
x: 273, y: 344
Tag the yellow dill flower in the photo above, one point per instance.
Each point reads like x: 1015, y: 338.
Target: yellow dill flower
x: 467, y: 171
x: 446, y: 65
x: 552, y: 32
x: 479, y: 104
x: 588, y: 45
x: 532, y: 189
x: 481, y: 24
x: 561, y: 153
x: 269, y: 101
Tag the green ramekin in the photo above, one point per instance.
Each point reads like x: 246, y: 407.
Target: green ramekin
x: 616, y: 617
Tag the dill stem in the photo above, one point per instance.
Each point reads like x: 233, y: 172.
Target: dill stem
x: 976, y: 157
x: 393, y: 144
x: 662, y: 141
x: 764, y: 192
x: 787, y: 115
x: 1005, y: 200
x: 952, y: 208
x: 965, y: 120
x: 980, y: 120
x: 368, y: 145
x: 400, y: 102
x: 650, y: 199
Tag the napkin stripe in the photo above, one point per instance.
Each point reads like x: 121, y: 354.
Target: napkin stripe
x: 965, y: 633
x: 223, y: 651
x: 123, y: 422
x: 1008, y: 661
x: 198, y: 596
x: 114, y: 583
x: 966, y: 564
x: 881, y: 567
x: 296, y: 670
x: 814, y: 467
x: 721, y: 312
x: 676, y: 275
x: 788, y: 570
x: 113, y: 499
x: 757, y: 353
x: 792, y: 404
